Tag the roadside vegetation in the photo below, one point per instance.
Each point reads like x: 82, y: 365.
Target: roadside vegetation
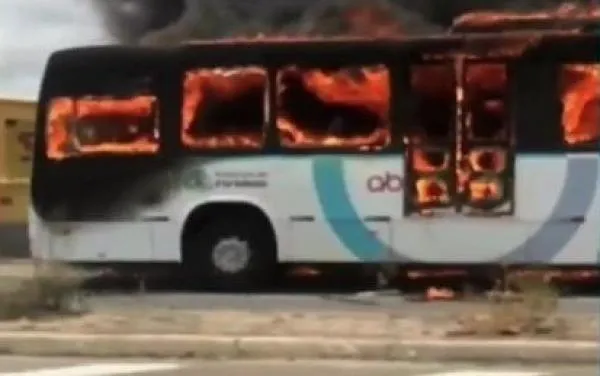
x: 44, y: 296
x: 33, y: 291
x: 522, y: 304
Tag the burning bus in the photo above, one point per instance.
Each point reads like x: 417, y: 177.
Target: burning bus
x: 231, y: 157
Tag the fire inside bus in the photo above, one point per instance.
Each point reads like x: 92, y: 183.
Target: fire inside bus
x: 232, y: 157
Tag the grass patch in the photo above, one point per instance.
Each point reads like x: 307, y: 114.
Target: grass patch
x: 34, y: 291
x: 525, y: 304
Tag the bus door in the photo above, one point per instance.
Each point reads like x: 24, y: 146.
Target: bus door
x: 459, y: 144
x: 485, y: 148
x: 459, y: 152
x: 430, y: 140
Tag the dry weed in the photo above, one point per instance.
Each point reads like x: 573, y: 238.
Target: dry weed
x: 526, y: 305
x: 49, y: 289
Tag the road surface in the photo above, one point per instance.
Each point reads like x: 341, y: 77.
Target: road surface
x: 15, y: 366
x: 14, y: 243
x: 308, y: 303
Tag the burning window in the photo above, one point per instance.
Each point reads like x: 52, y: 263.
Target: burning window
x: 341, y: 108
x: 484, y: 95
x: 433, y: 86
x: 224, y: 108
x: 450, y: 117
x: 580, y: 93
x: 101, y: 125
x: 486, y: 119
x: 432, y: 132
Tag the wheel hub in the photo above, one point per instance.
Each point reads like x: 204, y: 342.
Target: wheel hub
x: 231, y: 255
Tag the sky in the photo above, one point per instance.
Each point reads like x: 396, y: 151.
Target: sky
x: 31, y: 29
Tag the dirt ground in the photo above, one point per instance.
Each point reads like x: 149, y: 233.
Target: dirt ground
x: 343, y: 324
x: 536, y: 316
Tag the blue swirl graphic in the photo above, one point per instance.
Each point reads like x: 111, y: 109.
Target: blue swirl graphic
x: 567, y: 215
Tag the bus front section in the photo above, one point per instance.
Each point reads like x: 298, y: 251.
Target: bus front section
x: 98, y: 145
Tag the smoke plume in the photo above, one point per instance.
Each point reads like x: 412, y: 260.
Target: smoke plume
x: 32, y: 29
x: 159, y: 21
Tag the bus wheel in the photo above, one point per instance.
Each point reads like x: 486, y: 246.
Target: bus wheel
x: 232, y: 255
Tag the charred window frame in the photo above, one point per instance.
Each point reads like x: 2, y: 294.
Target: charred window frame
x: 486, y: 101
x: 537, y: 94
x: 331, y: 55
x: 425, y: 94
x: 331, y: 95
x: 91, y: 187
x: 535, y: 108
x: 431, y: 135
x: 224, y: 57
x: 225, y: 108
x: 578, y: 91
x: 274, y: 56
x: 488, y: 147
x: 102, y: 111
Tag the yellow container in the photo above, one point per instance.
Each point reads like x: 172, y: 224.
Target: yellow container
x: 17, y: 119
x: 14, y: 199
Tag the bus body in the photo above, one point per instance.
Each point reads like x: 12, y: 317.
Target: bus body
x: 430, y: 151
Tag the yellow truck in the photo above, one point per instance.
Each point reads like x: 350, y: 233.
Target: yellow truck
x: 16, y: 145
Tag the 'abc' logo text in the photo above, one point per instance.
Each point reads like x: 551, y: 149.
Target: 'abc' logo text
x: 388, y: 182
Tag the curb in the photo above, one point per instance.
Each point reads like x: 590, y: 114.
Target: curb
x: 263, y: 347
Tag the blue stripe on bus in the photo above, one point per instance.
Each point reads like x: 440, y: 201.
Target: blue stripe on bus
x: 559, y: 228
x: 567, y: 215
x: 339, y: 212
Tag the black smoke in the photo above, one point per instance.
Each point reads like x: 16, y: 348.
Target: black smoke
x: 162, y: 21
x: 130, y: 20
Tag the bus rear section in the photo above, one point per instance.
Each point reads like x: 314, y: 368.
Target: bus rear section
x: 460, y: 150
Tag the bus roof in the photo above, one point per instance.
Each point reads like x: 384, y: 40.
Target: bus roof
x: 554, y: 43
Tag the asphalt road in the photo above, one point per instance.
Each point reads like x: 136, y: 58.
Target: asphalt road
x: 367, y: 301
x: 15, y: 366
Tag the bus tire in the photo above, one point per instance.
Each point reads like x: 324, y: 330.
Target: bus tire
x: 232, y: 254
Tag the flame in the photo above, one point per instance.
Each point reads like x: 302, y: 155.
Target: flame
x: 433, y: 79
x: 432, y: 191
x: 66, y: 114
x: 487, y: 159
x: 371, y: 89
x: 365, y: 88
x: 581, y: 102
x: 204, y: 87
x: 481, y: 93
x: 424, y: 162
x: 372, y: 21
x: 566, y: 11
x: 486, y: 76
x: 580, y: 90
x: 294, y: 137
x: 485, y: 189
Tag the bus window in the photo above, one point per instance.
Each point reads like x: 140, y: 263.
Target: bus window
x: 580, y: 94
x: 485, y: 92
x: 433, y: 87
x: 95, y: 125
x: 435, y: 101
x: 486, y: 119
x: 342, y: 108
x: 224, y: 108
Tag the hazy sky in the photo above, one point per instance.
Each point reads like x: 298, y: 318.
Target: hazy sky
x: 30, y: 30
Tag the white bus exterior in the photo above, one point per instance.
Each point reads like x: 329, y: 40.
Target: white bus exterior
x: 231, y: 216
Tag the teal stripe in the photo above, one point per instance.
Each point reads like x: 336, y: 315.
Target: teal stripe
x: 339, y: 212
